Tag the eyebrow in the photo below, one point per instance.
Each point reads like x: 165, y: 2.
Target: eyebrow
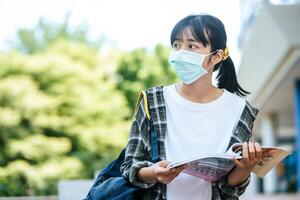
x: 192, y: 40
x: 189, y: 39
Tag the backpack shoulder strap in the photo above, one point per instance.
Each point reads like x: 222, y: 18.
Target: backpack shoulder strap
x: 154, y: 153
x: 155, y: 102
x: 148, y: 97
x: 151, y: 98
x: 143, y: 96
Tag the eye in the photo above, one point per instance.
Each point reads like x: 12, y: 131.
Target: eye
x: 175, y: 45
x: 192, y: 46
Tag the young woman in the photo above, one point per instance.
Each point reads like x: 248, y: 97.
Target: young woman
x: 194, y: 118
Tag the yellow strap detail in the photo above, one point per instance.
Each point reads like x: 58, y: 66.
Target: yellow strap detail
x: 146, y: 104
x: 143, y: 94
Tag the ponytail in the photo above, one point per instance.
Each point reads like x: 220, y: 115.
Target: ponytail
x: 208, y: 29
x: 227, y: 78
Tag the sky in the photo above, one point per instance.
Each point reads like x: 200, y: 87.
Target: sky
x: 125, y: 24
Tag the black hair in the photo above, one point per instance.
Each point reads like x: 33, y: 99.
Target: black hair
x: 215, y: 30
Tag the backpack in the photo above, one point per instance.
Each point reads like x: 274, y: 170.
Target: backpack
x: 110, y: 184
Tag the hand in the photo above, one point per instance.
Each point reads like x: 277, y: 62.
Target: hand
x: 163, y: 174
x: 252, y: 154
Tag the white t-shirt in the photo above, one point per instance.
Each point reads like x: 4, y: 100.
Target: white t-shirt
x: 197, y: 129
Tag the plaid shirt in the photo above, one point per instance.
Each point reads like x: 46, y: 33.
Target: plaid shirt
x: 138, y: 148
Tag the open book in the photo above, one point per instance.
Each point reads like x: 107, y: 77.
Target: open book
x: 213, y: 167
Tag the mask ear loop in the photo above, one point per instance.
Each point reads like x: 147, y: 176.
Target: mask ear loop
x: 212, y: 64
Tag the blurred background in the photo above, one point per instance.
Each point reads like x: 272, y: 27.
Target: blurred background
x: 71, y: 71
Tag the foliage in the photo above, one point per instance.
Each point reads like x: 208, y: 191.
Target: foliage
x: 61, y: 117
x: 66, y: 108
x: 140, y: 69
x: 39, y: 38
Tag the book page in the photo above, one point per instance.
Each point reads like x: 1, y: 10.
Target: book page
x: 199, y: 158
x: 213, y: 167
x: 210, y: 169
x: 262, y: 168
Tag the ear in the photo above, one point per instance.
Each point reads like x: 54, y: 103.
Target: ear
x: 218, y: 57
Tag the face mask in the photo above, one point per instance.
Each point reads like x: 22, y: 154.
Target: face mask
x: 188, y: 65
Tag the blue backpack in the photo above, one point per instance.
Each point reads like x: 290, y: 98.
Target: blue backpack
x: 110, y: 184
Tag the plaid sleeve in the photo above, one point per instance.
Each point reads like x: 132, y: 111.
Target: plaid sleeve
x: 137, y: 154
x: 242, y: 133
x: 232, y: 192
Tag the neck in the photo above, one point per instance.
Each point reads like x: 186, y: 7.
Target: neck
x: 201, y: 91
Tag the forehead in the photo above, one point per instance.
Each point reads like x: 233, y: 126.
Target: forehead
x: 187, y: 34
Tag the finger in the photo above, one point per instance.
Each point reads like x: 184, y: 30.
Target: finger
x: 268, y: 153
x: 173, y: 176
x: 163, y: 163
x: 177, y: 170
x: 168, y: 178
x: 237, y: 162
x: 251, y: 149
x: 271, y: 151
x: 165, y: 179
x: 163, y: 171
x: 245, y: 152
x: 173, y: 170
x: 177, y: 173
x: 181, y: 168
x: 265, y: 153
x: 258, y: 151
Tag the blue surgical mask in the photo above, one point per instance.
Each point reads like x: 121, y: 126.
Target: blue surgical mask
x: 188, y: 65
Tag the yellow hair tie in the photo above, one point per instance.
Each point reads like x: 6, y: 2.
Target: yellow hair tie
x: 226, y: 53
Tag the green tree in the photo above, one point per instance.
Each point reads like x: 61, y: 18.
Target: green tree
x: 61, y: 117
x: 140, y: 69
x: 65, y: 108
x: 38, y: 38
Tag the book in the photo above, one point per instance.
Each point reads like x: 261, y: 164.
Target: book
x: 213, y: 167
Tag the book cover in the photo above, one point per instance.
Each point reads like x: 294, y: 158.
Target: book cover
x: 213, y: 167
